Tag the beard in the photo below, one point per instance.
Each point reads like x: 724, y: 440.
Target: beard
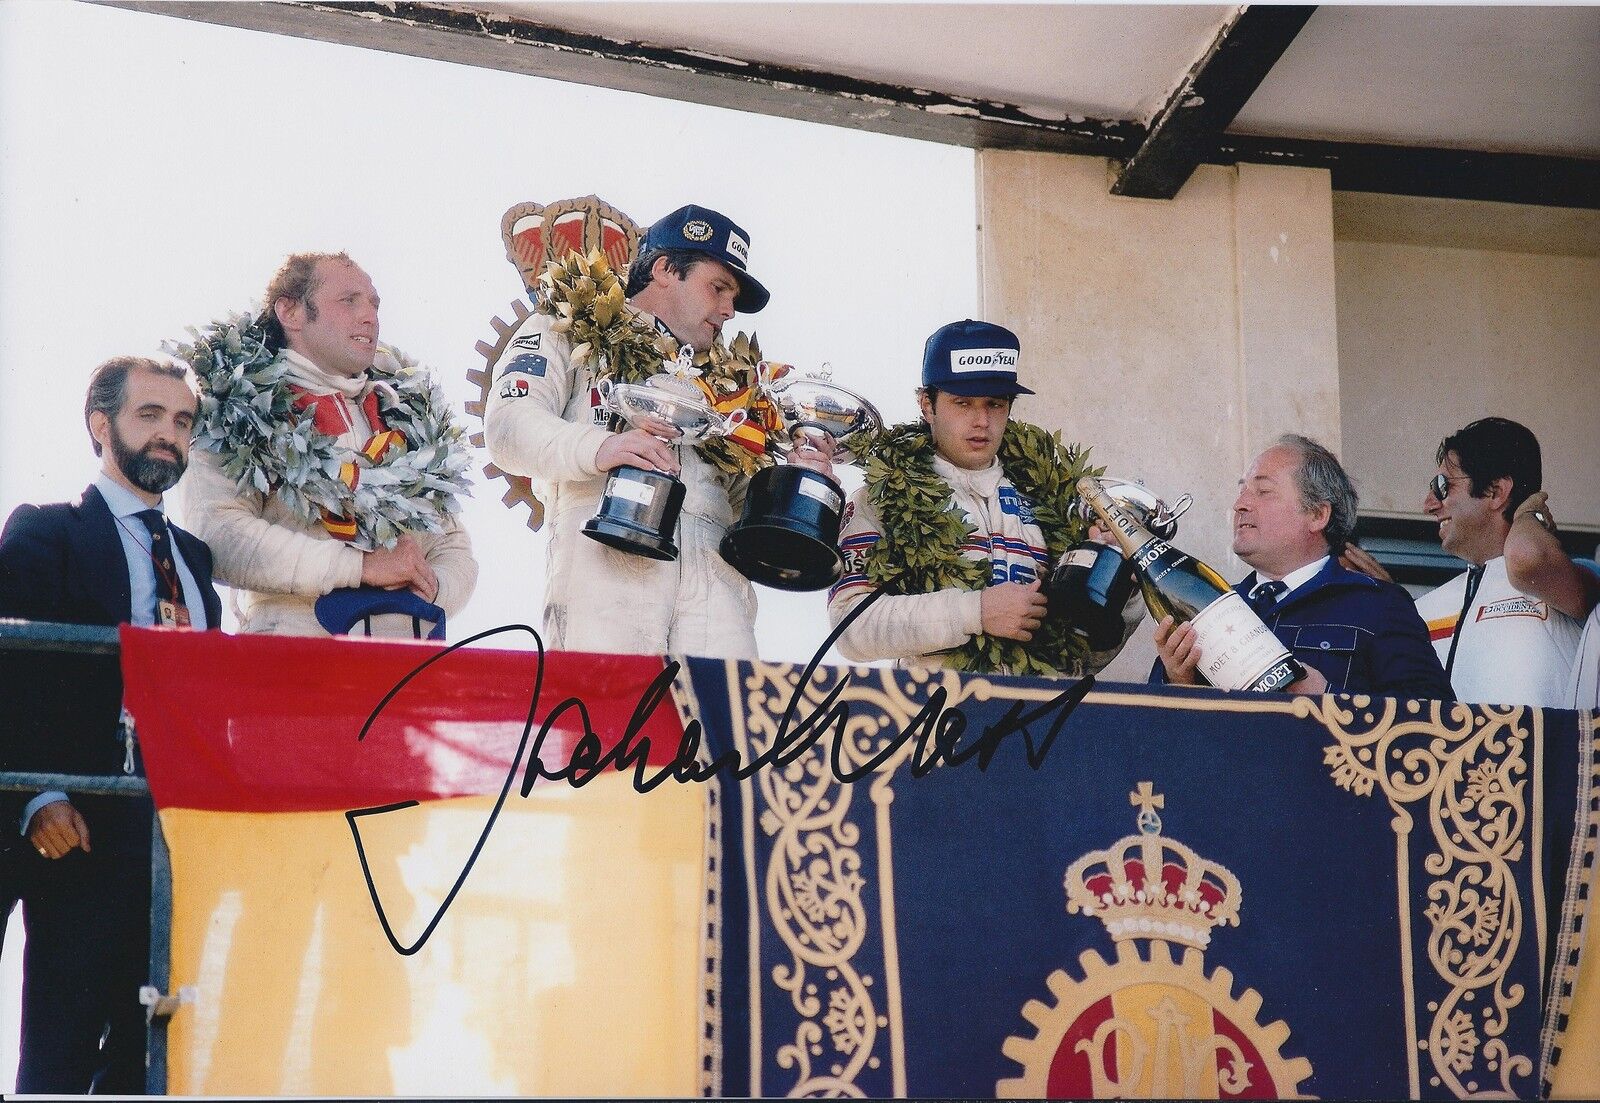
x: 150, y: 473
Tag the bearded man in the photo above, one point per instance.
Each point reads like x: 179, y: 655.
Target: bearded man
x: 80, y: 863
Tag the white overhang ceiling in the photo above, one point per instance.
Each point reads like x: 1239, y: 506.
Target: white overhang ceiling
x: 1493, y: 78
x: 1473, y: 102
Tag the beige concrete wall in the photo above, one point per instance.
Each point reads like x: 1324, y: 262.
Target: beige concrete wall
x: 1175, y: 337
x: 1432, y: 336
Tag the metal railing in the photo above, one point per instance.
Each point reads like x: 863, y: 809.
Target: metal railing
x: 80, y: 639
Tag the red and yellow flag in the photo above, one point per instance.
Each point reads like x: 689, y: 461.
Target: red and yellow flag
x: 567, y: 962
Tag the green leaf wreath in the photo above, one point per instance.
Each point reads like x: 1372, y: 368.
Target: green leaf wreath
x: 585, y: 297
x: 924, y: 530
x: 247, y: 417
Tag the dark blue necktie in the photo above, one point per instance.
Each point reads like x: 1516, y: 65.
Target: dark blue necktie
x: 1265, y: 596
x: 161, y: 553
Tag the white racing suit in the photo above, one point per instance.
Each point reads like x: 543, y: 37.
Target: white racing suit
x: 279, y: 564
x: 917, y: 629
x: 539, y: 422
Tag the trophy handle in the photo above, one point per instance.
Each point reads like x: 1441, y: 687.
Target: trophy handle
x: 733, y: 419
x: 1166, y: 515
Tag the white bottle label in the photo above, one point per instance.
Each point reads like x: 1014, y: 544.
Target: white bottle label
x: 1236, y: 648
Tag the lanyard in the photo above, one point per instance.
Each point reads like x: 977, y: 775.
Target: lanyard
x: 174, y: 586
x: 1474, y: 577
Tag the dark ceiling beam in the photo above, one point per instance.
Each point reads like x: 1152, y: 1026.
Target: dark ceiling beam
x: 1184, y: 133
x: 518, y: 46
x: 1429, y: 171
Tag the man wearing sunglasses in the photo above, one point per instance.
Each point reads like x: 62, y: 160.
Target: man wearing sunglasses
x: 1499, y: 644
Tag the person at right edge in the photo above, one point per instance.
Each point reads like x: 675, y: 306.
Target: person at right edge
x: 1294, y: 515
x: 1500, y: 644
x: 968, y: 597
x: 1539, y: 567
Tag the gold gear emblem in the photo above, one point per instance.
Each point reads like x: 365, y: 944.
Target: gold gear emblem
x: 535, y: 234
x: 519, y: 488
x: 1150, y: 1029
x: 1146, y: 1027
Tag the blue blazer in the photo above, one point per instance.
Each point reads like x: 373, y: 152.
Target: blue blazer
x: 64, y: 562
x: 1365, y: 636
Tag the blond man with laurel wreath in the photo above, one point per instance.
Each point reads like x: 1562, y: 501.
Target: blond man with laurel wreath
x: 543, y: 419
x: 333, y: 512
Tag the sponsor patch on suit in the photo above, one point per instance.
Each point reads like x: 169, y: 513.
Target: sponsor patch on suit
x: 1519, y: 606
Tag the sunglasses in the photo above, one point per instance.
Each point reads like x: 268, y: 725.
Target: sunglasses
x: 1439, y: 485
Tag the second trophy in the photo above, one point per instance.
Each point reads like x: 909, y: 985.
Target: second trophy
x: 788, y: 534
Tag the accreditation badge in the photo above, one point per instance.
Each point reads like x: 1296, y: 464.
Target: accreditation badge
x: 172, y: 615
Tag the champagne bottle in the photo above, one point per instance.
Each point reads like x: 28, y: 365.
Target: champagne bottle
x: 1237, y: 650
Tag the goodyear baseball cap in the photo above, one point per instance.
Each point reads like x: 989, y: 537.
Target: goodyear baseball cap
x: 717, y: 236
x: 973, y: 359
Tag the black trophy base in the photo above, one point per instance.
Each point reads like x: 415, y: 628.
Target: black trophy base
x: 1088, y: 590
x: 788, y: 536
x: 639, y: 513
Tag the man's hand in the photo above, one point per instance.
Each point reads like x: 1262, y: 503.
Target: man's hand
x: 1355, y: 559
x: 1313, y: 684
x: 637, y: 448
x: 401, y: 567
x: 1012, y: 610
x: 57, y: 828
x: 815, y: 456
x: 1099, y: 534
x: 1179, y: 649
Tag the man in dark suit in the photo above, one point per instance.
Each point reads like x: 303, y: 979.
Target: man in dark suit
x: 79, y: 863
x: 1295, y: 512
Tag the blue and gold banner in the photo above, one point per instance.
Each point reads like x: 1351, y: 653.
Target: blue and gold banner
x: 949, y: 885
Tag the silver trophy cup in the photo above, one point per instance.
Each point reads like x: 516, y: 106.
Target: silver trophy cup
x: 639, y: 513
x: 1092, y: 582
x: 788, y: 534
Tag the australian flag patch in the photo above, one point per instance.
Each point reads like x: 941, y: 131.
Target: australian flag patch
x: 527, y: 363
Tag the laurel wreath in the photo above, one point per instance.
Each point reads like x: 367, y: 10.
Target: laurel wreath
x: 924, y: 531
x: 247, y: 416
x: 585, y: 297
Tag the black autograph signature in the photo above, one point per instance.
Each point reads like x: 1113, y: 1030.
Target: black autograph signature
x: 937, y: 731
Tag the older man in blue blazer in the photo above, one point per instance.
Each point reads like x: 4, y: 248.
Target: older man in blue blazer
x: 80, y: 864
x: 1295, y: 512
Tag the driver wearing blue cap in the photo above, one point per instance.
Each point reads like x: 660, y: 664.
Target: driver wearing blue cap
x: 543, y: 419
x: 968, y: 596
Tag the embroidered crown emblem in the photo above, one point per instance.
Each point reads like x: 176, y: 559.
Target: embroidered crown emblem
x: 1152, y: 887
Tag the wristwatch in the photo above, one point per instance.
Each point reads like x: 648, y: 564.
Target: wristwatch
x: 1543, y: 518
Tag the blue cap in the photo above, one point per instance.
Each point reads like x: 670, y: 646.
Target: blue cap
x: 973, y: 359
x: 340, y: 610
x: 702, y: 230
